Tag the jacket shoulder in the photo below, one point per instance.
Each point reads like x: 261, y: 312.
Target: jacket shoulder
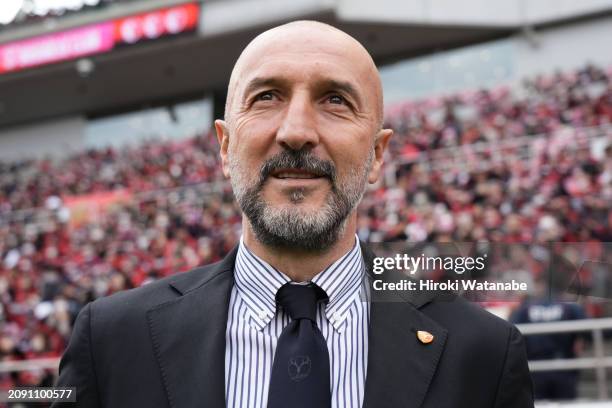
x: 149, y: 295
x: 469, y: 322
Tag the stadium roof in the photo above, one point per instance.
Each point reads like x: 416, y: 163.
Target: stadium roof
x: 190, y: 65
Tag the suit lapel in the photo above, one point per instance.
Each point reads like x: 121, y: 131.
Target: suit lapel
x: 400, y: 367
x: 188, y: 336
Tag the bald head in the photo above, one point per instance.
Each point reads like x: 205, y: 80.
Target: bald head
x: 304, y: 39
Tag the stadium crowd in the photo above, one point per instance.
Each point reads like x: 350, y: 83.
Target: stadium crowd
x: 531, y: 164
x: 541, y: 106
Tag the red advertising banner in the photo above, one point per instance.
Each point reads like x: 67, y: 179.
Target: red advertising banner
x: 97, y: 38
x: 156, y: 24
x: 51, y: 48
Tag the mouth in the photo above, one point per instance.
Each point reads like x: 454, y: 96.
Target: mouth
x: 292, y: 174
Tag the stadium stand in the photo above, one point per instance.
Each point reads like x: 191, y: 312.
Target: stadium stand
x: 513, y: 165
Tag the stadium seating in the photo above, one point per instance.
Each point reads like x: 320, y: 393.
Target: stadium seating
x: 525, y: 164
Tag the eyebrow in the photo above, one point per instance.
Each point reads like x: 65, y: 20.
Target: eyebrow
x: 327, y: 84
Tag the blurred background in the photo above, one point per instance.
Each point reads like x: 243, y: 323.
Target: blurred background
x: 110, y: 178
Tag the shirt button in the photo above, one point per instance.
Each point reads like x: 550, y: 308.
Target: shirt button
x: 337, y: 316
x: 263, y: 314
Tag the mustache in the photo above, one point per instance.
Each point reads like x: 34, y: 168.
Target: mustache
x: 302, y: 160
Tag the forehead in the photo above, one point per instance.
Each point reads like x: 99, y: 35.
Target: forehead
x: 300, y: 58
x: 298, y: 69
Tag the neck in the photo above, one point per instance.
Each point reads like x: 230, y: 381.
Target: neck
x: 300, y: 265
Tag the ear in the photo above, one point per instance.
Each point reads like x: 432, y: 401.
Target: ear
x: 223, y: 138
x: 381, y: 141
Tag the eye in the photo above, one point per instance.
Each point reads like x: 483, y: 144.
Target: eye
x: 264, y: 96
x: 336, y: 99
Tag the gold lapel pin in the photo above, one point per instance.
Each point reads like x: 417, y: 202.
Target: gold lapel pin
x: 425, y: 337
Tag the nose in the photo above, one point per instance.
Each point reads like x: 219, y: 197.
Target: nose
x: 298, y: 128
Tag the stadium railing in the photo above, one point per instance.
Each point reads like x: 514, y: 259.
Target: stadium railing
x: 599, y: 362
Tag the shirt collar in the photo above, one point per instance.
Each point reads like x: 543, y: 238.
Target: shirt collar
x: 257, y: 283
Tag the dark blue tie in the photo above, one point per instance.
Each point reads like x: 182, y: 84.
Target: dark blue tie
x: 300, y: 372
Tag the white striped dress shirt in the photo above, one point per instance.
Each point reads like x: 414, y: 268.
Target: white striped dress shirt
x: 254, y: 326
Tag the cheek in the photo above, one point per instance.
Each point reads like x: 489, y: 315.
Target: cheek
x: 252, y: 139
x: 256, y: 122
x: 348, y: 146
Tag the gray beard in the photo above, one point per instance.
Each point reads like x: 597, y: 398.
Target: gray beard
x: 292, y: 228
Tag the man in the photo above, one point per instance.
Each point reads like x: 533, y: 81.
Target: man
x: 545, y: 307
x: 281, y: 321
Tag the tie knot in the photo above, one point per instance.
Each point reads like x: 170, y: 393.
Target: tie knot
x: 300, y: 301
